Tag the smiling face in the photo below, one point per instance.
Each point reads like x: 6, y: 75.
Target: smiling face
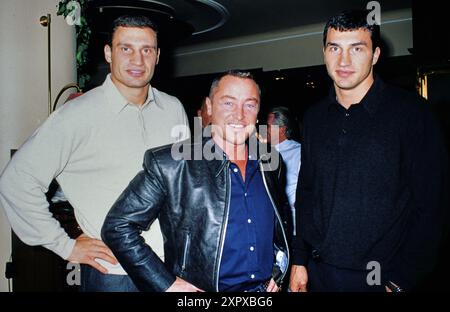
x: 132, y: 58
x: 233, y: 108
x: 349, y: 58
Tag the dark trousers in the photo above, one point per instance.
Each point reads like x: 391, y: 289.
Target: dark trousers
x: 324, y: 277
x: 95, y: 281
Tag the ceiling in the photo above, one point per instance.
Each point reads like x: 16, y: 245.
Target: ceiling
x: 248, y: 17
x: 191, y: 22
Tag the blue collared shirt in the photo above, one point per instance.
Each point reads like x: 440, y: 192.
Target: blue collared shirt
x: 247, y: 256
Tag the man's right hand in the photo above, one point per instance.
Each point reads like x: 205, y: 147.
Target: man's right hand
x: 299, y: 278
x: 87, y: 249
x: 180, y: 285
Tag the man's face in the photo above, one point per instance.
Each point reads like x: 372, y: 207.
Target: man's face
x: 233, y: 109
x: 132, y: 57
x: 274, y: 132
x: 349, y: 58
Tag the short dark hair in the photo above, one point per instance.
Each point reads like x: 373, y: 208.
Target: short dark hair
x: 282, y: 117
x: 138, y: 21
x: 235, y: 73
x: 353, y: 20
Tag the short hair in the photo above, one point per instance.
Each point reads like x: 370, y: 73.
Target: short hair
x: 234, y: 73
x: 282, y: 117
x: 353, y: 20
x: 138, y: 21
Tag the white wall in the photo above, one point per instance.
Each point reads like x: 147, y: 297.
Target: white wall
x: 290, y: 48
x: 23, y: 81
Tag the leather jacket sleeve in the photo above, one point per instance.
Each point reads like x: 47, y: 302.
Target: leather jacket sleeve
x: 134, y: 211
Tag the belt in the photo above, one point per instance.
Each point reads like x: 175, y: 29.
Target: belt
x: 261, y: 287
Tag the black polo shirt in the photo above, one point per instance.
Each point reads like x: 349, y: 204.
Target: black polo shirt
x: 371, y: 184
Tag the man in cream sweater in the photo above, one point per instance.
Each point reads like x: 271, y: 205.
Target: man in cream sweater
x: 93, y: 146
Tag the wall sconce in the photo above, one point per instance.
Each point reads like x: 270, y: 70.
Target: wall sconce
x: 423, y: 85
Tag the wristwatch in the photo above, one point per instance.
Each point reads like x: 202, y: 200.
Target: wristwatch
x: 394, y: 287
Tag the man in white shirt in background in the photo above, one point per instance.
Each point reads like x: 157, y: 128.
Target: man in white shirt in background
x: 203, y: 114
x: 93, y: 146
x: 280, y: 122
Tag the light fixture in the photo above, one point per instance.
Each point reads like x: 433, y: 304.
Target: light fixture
x: 176, y: 19
x: 310, y: 84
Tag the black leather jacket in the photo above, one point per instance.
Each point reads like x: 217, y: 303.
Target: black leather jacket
x: 191, y: 200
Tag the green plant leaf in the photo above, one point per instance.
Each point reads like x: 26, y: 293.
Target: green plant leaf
x: 83, y: 33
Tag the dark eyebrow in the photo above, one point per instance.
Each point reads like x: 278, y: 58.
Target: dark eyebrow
x: 130, y: 45
x: 359, y: 43
x: 333, y: 44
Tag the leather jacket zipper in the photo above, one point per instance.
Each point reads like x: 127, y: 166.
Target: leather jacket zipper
x: 225, y: 224
x: 187, y: 242
x: 277, y: 215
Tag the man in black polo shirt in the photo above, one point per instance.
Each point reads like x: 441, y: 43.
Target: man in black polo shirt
x: 371, y: 186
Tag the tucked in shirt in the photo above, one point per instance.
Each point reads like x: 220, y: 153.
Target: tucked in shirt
x: 247, y: 256
x: 93, y: 145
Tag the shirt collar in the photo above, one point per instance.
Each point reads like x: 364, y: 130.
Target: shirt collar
x: 253, y: 154
x: 285, y: 145
x: 117, y: 101
x: 371, y: 100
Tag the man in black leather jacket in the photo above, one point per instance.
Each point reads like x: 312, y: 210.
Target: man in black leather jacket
x: 223, y: 215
